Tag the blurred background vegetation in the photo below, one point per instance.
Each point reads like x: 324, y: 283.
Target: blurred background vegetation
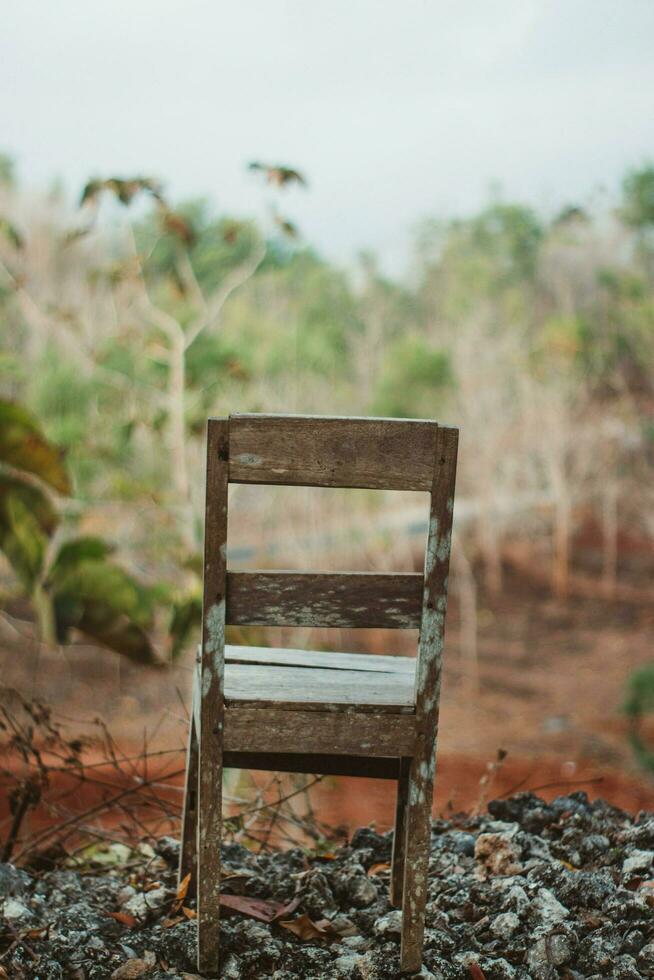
x: 127, y: 319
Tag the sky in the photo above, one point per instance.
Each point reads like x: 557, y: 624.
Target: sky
x: 395, y: 111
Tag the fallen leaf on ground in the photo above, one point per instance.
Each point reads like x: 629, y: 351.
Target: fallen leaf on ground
x: 380, y: 868
x: 131, y: 969
x: 189, y: 913
x: 476, y: 972
x: 182, y: 888
x: 124, y: 918
x: 174, y: 921
x: 38, y: 933
x: 306, y: 929
x: 254, y: 908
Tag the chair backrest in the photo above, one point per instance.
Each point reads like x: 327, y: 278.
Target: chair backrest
x: 391, y: 454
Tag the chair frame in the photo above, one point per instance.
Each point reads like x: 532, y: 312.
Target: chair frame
x: 337, y: 452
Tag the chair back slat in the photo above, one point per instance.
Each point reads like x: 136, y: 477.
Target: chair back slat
x: 341, y: 599
x: 379, y: 454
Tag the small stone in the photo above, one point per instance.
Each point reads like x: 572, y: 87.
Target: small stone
x: 14, y: 911
x: 390, y: 924
x: 13, y: 881
x: 504, y: 925
x: 347, y: 966
x: 548, y: 908
x: 637, y: 861
x: 168, y: 849
x: 361, y: 890
x: 645, y: 958
x: 499, y: 853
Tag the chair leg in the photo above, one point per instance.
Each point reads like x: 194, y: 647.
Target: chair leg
x: 399, y: 835
x: 418, y: 840
x: 209, y: 838
x: 188, y: 851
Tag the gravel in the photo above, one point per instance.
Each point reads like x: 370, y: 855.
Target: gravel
x: 528, y: 890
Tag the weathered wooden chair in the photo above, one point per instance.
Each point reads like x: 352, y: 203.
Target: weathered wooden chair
x: 299, y: 711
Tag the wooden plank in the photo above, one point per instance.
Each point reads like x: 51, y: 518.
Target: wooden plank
x: 188, y: 849
x: 320, y: 658
x: 211, y: 696
x: 323, y: 733
x: 345, y: 599
x: 428, y: 683
x: 399, y: 834
x: 328, y: 765
x: 317, y: 689
x: 387, y: 454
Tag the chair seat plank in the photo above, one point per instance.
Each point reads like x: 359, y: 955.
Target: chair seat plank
x: 318, y: 688
x: 320, y: 658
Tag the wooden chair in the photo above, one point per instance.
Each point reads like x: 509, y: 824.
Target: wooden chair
x: 299, y: 711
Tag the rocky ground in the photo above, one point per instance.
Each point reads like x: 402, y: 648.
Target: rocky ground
x: 531, y: 889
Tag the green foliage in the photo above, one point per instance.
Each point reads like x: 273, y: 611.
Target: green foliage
x: 185, y: 620
x: 101, y: 600
x: 638, y: 198
x: 23, y: 446
x: 413, y: 380
x: 638, y: 703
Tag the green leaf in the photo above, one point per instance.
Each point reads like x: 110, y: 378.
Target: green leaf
x: 27, y: 519
x: 24, y: 447
x: 186, y: 617
x: 23, y: 540
x: 73, y: 553
x: 101, y: 600
x: 11, y: 233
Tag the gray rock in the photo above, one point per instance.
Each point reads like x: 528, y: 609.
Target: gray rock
x: 390, y: 924
x: 504, y: 925
x: 637, y: 861
x: 347, y: 966
x: 13, y: 881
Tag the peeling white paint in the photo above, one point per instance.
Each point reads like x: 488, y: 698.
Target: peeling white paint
x: 248, y: 459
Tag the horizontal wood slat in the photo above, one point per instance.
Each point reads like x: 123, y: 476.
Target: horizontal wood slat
x: 331, y: 660
x: 388, y: 454
x: 346, y: 599
x: 324, y: 733
x: 328, y: 765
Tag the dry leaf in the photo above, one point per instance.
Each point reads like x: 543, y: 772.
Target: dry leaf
x: 131, y: 969
x: 255, y: 908
x: 169, y: 923
x: 3, y: 973
x: 306, y: 929
x: 182, y: 888
x: 152, y: 885
x: 124, y: 918
x: 38, y: 933
x: 380, y: 868
x: 476, y: 972
x: 189, y: 913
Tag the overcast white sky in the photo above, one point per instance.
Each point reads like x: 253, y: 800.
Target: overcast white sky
x: 395, y: 109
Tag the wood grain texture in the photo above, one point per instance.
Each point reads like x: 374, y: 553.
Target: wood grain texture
x: 399, y: 834
x: 188, y: 850
x: 341, y: 599
x: 386, y: 664
x: 211, y: 696
x: 318, y: 688
x: 303, y: 762
x: 428, y: 683
x: 390, y: 454
x: 323, y: 733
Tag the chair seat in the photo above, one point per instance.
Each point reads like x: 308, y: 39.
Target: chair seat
x: 316, y: 680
